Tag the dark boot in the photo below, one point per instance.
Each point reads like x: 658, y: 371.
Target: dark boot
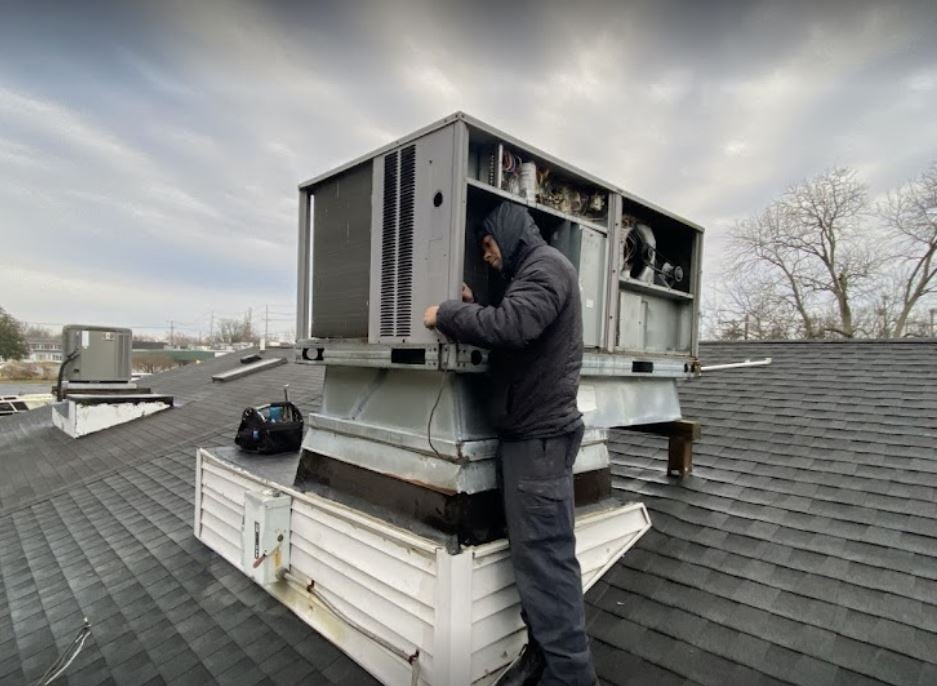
x: 526, y: 670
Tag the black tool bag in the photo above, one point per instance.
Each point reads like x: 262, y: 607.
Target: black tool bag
x: 273, y: 428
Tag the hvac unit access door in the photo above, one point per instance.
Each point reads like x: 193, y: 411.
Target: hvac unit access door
x: 413, y: 235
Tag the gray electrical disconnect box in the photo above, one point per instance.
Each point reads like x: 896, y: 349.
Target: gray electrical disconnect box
x: 96, y: 353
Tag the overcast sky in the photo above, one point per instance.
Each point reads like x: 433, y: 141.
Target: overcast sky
x: 150, y: 152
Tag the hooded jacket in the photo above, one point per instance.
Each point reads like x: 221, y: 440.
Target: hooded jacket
x: 534, y: 333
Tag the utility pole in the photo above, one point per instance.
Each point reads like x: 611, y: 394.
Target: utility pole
x: 266, y: 321
x: 933, y: 311
x: 885, y: 332
x: 172, y: 333
x: 211, y: 328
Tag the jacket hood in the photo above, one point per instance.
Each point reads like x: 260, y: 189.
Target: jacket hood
x: 514, y: 231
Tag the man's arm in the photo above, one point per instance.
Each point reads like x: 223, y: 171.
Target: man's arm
x: 529, y: 306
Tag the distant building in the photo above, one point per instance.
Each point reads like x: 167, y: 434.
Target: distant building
x: 44, y: 349
x: 149, y: 345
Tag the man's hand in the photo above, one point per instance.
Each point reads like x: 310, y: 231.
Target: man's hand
x: 467, y: 295
x: 429, y: 316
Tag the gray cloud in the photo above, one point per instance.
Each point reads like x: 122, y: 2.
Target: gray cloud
x: 150, y: 152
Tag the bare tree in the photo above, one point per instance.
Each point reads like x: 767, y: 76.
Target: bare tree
x: 826, y: 215
x: 910, y: 215
x: 809, y: 254
x: 767, y: 274
x: 753, y: 306
x: 153, y: 362
x: 34, y: 331
x: 183, y: 340
x: 235, y: 331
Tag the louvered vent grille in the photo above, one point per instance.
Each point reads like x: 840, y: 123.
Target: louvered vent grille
x: 405, y: 241
x: 397, y: 242
x: 389, y: 246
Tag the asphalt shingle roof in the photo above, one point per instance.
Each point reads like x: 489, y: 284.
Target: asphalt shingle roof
x: 802, y: 550
x: 101, y: 527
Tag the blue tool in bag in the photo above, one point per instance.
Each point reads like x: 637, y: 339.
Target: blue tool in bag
x: 272, y: 428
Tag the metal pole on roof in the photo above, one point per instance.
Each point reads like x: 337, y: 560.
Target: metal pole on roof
x: 737, y: 365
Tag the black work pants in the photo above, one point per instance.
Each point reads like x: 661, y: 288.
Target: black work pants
x: 537, y: 486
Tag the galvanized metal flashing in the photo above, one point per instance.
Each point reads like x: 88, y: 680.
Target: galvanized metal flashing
x: 247, y: 369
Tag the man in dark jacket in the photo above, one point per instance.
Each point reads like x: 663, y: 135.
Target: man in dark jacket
x: 535, y: 338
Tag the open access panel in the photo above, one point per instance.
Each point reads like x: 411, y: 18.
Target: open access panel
x: 404, y: 415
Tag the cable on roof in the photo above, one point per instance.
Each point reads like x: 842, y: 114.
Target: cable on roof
x: 57, y: 668
x: 413, y: 659
x: 432, y: 413
x: 67, y: 361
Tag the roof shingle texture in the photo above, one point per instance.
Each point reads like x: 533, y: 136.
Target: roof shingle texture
x: 101, y: 527
x: 802, y: 550
x: 803, y: 547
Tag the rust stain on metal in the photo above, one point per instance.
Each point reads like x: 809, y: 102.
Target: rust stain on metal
x: 429, y: 487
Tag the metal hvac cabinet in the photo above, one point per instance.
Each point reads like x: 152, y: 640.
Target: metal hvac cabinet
x: 385, y: 236
x: 98, y: 353
x: 393, y: 232
x: 388, y: 234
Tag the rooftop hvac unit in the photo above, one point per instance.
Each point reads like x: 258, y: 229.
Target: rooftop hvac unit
x: 404, y: 413
x: 96, y: 354
x: 95, y: 386
x: 393, y: 519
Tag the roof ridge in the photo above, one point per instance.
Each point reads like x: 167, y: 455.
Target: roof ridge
x: 872, y: 544
x: 813, y: 497
x: 830, y: 341
x: 701, y: 462
x: 700, y: 562
x: 732, y: 626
